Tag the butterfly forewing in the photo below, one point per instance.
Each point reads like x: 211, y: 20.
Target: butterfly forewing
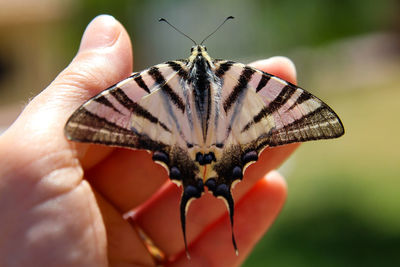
x: 289, y: 113
x: 133, y: 109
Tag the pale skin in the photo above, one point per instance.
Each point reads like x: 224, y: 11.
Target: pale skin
x: 61, y: 203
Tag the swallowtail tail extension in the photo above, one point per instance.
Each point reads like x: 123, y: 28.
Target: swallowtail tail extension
x: 205, y: 120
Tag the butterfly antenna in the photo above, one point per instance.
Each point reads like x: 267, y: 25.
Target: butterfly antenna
x: 176, y: 29
x: 228, y: 18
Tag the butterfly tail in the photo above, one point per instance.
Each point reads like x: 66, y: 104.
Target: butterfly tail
x: 223, y: 191
x: 183, y: 209
x: 226, y: 195
x: 230, y: 202
x: 190, y: 192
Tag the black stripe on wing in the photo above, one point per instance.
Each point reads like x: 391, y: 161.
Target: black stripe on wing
x: 137, y: 77
x: 135, y: 108
x: 274, y: 105
x: 160, y: 80
x: 84, y: 126
x: 301, y: 99
x: 241, y: 85
x: 223, y: 67
x: 103, y: 100
x: 139, y: 80
x: 178, y: 68
x: 263, y: 81
x: 85, y: 119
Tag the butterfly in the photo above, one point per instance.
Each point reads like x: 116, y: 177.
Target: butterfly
x: 205, y: 120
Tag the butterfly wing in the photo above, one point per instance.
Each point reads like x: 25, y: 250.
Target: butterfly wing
x: 145, y: 111
x: 122, y: 115
x: 260, y: 105
x: 148, y: 110
x: 262, y: 110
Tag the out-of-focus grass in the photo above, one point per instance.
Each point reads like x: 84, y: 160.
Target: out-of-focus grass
x: 344, y: 194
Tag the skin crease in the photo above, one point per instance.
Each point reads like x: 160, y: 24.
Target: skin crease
x: 61, y: 202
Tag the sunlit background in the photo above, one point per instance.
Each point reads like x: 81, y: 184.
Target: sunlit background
x: 343, y: 207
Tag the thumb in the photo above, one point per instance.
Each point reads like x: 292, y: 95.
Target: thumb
x: 104, y: 58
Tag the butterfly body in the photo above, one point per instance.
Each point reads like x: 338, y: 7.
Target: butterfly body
x: 205, y: 120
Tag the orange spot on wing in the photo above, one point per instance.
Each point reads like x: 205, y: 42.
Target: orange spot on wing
x: 204, y: 172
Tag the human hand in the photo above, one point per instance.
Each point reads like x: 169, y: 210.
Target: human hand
x: 61, y: 203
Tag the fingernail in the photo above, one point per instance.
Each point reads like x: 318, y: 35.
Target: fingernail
x: 101, y: 32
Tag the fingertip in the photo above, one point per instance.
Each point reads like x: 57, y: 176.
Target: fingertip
x: 104, y: 58
x: 276, y: 181
x: 254, y: 214
x: 270, y: 159
x: 279, y: 66
x: 271, y: 189
x: 101, y: 32
x: 257, y: 210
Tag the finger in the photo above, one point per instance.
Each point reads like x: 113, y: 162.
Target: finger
x: 104, y: 58
x: 162, y: 212
x: 124, y: 245
x: 160, y: 217
x: 279, y: 66
x: 127, y: 178
x: 255, y: 213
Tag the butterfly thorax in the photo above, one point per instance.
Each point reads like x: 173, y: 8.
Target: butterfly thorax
x: 201, y: 51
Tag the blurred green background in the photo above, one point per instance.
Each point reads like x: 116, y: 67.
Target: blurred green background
x: 343, y: 207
